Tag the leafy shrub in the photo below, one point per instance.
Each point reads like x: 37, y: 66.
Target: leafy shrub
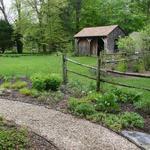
x: 107, y: 103
x: 122, y: 67
x: 126, y: 44
x: 131, y: 119
x: 19, y: 85
x: 35, y: 93
x: 46, y: 82
x: 38, y: 82
x: 126, y: 96
x: 143, y: 105
x: 25, y: 91
x: 53, y: 82
x: 84, y: 109
x: 73, y: 103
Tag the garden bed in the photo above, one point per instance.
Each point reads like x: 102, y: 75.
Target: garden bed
x: 60, y: 99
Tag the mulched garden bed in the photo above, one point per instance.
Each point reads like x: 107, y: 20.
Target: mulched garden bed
x: 62, y: 104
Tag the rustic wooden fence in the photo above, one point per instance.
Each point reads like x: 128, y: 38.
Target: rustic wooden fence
x: 99, y: 70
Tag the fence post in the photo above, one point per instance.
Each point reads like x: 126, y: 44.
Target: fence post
x: 98, y: 72
x: 65, y: 79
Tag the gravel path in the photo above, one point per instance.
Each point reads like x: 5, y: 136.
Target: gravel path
x: 65, y: 131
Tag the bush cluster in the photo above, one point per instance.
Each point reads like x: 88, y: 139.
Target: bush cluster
x: 46, y: 82
x: 106, y: 109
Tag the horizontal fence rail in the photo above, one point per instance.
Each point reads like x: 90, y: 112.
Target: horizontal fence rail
x: 98, y: 78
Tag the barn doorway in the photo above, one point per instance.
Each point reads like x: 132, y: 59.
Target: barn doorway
x: 100, y: 46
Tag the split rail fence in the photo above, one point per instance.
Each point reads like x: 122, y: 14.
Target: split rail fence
x: 99, y: 71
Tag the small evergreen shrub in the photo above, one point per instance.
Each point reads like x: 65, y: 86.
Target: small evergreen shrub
x: 53, y: 82
x: 38, y: 82
x: 46, y: 82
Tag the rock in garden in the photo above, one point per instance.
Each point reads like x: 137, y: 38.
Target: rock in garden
x: 141, y: 139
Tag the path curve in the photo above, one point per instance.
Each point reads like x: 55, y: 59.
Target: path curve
x: 65, y: 131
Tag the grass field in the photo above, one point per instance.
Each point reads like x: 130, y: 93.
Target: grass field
x: 28, y: 65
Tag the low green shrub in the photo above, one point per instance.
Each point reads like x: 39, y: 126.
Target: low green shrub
x: 38, y: 82
x: 53, y: 82
x: 143, y: 105
x: 25, y: 91
x: 122, y: 67
x: 113, y: 122
x: 131, y: 119
x: 126, y: 96
x: 74, y: 102
x: 19, y: 85
x: 84, y: 109
x: 97, y: 117
x: 107, y: 103
x: 138, y: 67
x: 6, y: 85
x: 46, y: 82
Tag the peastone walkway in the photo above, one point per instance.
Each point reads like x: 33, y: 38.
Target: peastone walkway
x: 65, y: 131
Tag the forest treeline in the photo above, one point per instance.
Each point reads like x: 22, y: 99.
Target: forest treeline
x: 49, y: 25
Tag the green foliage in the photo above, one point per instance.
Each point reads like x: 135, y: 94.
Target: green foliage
x: 38, y: 82
x: 84, y: 109
x: 97, y: 117
x: 25, y: 91
x: 6, y: 85
x: 122, y: 67
x: 126, y: 96
x: 19, y: 85
x: 11, y: 137
x: 53, y: 82
x: 126, y: 44
x: 113, y: 122
x: 131, y: 119
x: 144, y: 105
x: 46, y: 82
x: 107, y: 103
x: 6, y: 32
x: 138, y: 67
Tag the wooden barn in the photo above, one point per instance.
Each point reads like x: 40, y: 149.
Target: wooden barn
x: 90, y: 41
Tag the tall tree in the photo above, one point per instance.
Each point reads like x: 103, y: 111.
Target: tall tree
x: 3, y: 10
x: 6, y: 32
x: 18, y: 34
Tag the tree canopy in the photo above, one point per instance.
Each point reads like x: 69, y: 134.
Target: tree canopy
x: 47, y: 25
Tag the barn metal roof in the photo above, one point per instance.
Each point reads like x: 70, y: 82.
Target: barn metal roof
x: 96, y: 31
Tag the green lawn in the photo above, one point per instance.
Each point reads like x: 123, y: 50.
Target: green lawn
x: 28, y: 65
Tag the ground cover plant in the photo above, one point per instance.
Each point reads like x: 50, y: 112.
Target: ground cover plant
x: 13, y: 137
x: 107, y: 109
